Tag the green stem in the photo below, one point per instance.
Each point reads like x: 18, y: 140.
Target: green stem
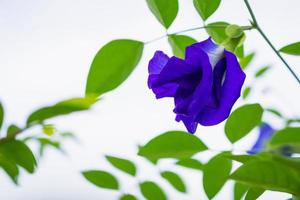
x: 257, y: 27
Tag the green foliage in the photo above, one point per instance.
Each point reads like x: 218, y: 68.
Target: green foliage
x: 246, y: 92
x: 239, y: 190
x: 262, y: 71
x: 234, y: 31
x: 12, y: 130
x: 242, y: 121
x: 239, y: 52
x: 292, y: 49
x: 111, y: 66
x: 245, y: 61
x: 175, y: 180
x: 254, y: 193
x: 215, y: 174
x: 287, y: 137
x: 179, y: 43
x: 49, y: 129
x: 206, y: 8
x: 45, y: 142
x: 217, y: 31
x: 165, y: 11
x: 151, y: 191
x: 274, y: 112
x: 61, y: 108
x: 101, y: 179
x: 122, y: 164
x: 128, y: 197
x: 232, y: 44
x: 1, y: 115
x: 10, y: 168
x: 172, y: 144
x: 190, y: 163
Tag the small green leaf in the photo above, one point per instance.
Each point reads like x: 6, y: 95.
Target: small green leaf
x: 239, y: 190
x: 179, y: 43
x: 1, y: 115
x: 151, y: 191
x: 111, y: 66
x: 165, y: 11
x: 231, y: 44
x: 128, y: 197
x: 239, y: 52
x: 49, y: 129
x: 124, y: 165
x: 215, y: 174
x: 101, y: 179
x: 241, y: 158
x: 246, y: 92
x: 274, y: 111
x: 172, y: 144
x: 245, y: 61
x: 12, y: 130
x: 19, y: 153
x: 254, y: 193
x: 217, y: 31
x: 262, y: 71
x: 174, y: 180
x: 287, y: 136
x: 45, y: 142
x: 10, y: 168
x: 292, y: 49
x: 61, y: 108
x: 206, y: 8
x: 242, y: 121
x: 234, y: 31
x: 190, y: 163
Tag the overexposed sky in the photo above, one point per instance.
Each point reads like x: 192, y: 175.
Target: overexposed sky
x: 45, y: 53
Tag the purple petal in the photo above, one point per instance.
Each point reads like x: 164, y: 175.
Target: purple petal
x: 157, y: 63
x: 230, y: 92
x: 166, y: 90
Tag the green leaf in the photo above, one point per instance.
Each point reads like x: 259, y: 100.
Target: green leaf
x: 17, y: 152
x: 234, y: 31
x: 274, y: 111
x: 269, y: 175
x: 45, y: 142
x: 61, y: 108
x: 231, y: 44
x: 111, y: 66
x: 246, y: 92
x: 179, y: 43
x: 151, y: 191
x: 172, y: 144
x: 217, y: 31
x: 239, y: 52
x: 215, y: 174
x: 206, y: 8
x: 241, y: 158
x: 262, y: 71
x: 1, y: 115
x: 49, y: 129
x: 287, y: 136
x: 128, y: 197
x: 190, y: 163
x: 122, y: 164
x: 101, y: 179
x: 174, y: 180
x: 292, y: 49
x: 12, y: 130
x: 242, y: 121
x: 239, y: 190
x: 165, y: 11
x: 244, y: 62
x: 254, y: 193
x: 10, y: 168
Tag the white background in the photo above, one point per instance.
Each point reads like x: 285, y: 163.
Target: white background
x: 46, y: 48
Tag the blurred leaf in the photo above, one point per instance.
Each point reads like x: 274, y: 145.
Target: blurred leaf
x: 231, y: 44
x: 10, y: 168
x: 101, y: 179
x: 240, y: 158
x: 61, y: 108
x: 49, y: 129
x: 292, y: 49
x: 242, y: 121
x: 239, y: 52
x: 234, y: 31
x: 254, y: 193
x: 19, y: 153
x: 122, y: 164
x: 206, y: 8
x: 239, y: 190
x: 172, y: 144
x: 246, y: 92
x: 179, y: 43
x: 269, y: 175
x: 217, y: 31
x: 288, y: 136
x: 12, y: 130
x: 111, y: 66
x: 165, y: 11
x: 215, y: 174
x: 244, y: 62
x: 128, y: 197
x: 45, y: 142
x: 274, y: 111
x: 291, y: 121
x: 190, y: 163
x: 174, y: 180
x: 262, y: 71
x: 1, y: 115
x: 151, y: 191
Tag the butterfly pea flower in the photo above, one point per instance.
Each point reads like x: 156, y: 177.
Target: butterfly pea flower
x: 205, y: 84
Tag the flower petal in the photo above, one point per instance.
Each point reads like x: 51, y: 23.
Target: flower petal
x: 166, y: 90
x: 157, y: 63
